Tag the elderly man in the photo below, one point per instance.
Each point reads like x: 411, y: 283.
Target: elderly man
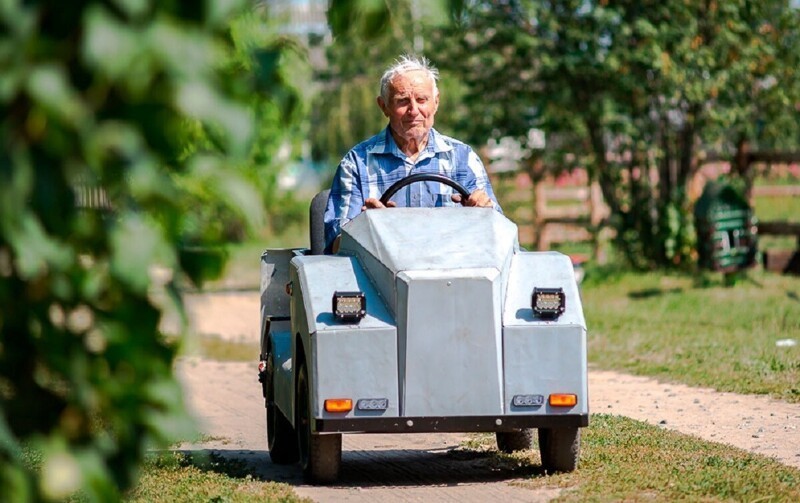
x: 409, y: 98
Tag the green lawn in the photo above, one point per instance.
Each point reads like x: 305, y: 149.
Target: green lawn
x: 694, y: 330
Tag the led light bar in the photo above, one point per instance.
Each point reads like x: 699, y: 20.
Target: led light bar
x: 527, y: 400
x: 548, y: 303
x: 372, y: 404
x: 349, y: 307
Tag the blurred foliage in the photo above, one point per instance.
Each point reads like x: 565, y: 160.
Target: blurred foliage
x: 261, y: 72
x: 134, y: 134
x: 634, y: 91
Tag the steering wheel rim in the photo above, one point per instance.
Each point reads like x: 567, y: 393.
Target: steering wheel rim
x: 423, y: 177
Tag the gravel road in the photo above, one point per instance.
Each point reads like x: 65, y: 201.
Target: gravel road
x: 226, y: 399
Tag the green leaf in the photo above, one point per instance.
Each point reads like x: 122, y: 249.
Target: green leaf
x: 35, y: 249
x: 201, y: 101
x: 133, y: 8
x: 111, y: 46
x: 49, y: 86
x: 137, y: 245
x: 220, y: 11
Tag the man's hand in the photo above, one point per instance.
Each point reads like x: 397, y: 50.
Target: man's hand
x: 373, y: 203
x: 478, y: 198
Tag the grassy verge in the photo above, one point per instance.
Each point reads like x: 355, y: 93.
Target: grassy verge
x: 627, y: 460
x: 217, y: 348
x: 178, y: 477
x: 694, y: 330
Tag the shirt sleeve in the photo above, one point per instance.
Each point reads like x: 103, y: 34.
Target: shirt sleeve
x: 480, y: 178
x: 345, y: 200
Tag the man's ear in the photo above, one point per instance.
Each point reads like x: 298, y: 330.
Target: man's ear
x: 382, y: 106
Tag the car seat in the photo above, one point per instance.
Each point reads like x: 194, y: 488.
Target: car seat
x: 316, y: 225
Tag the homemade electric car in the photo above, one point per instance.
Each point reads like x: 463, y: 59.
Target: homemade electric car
x: 425, y: 320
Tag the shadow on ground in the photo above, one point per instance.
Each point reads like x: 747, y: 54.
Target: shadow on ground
x: 375, y: 468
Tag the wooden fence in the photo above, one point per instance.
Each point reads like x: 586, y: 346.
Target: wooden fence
x: 548, y: 214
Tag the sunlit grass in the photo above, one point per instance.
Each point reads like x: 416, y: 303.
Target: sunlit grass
x: 627, y: 460
x: 174, y: 477
x: 694, y: 330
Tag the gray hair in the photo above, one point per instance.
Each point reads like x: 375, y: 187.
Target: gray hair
x: 408, y: 63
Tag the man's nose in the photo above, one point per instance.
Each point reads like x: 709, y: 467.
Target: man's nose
x: 413, y: 108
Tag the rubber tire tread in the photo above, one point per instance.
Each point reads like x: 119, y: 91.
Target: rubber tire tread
x: 282, y: 442
x: 560, y: 449
x: 514, y: 441
x: 324, y: 457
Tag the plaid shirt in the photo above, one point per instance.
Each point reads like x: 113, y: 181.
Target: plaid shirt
x: 374, y: 165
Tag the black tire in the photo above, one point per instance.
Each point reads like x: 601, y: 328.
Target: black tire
x: 560, y: 449
x: 320, y: 455
x: 513, y: 441
x: 281, y: 437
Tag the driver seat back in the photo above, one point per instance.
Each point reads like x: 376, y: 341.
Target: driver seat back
x: 316, y: 223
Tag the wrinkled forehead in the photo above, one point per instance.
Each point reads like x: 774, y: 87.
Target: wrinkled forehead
x: 412, y: 82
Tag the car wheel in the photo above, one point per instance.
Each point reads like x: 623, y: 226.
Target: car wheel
x: 281, y: 437
x: 320, y: 455
x: 513, y: 441
x: 559, y: 448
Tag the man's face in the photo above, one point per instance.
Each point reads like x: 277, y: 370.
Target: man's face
x: 411, y: 105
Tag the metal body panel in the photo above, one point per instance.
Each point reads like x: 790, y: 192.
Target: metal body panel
x: 418, y: 239
x: 274, y: 276
x: 356, y: 364
x: 450, y: 342
x: 541, y: 360
x: 315, y: 278
x: 541, y: 269
x: 283, y: 372
x: 347, y: 349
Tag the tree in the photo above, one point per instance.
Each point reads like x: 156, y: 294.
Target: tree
x: 642, y: 87
x: 141, y: 103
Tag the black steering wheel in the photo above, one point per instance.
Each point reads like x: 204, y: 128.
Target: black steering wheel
x: 423, y: 177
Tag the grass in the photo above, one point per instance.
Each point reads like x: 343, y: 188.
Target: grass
x: 626, y: 460
x: 217, y: 348
x: 777, y: 208
x: 694, y: 330
x: 173, y: 477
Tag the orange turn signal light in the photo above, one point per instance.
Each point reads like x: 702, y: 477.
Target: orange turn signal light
x: 338, y: 405
x: 563, y: 400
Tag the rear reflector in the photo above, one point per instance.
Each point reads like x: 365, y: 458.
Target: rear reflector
x: 372, y: 404
x: 338, y: 405
x: 527, y: 400
x: 563, y: 400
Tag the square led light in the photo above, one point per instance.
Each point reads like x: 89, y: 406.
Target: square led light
x: 349, y: 307
x: 548, y: 303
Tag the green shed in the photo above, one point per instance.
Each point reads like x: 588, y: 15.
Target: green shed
x: 727, y: 234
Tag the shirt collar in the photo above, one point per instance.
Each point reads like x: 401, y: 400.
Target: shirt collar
x: 387, y: 145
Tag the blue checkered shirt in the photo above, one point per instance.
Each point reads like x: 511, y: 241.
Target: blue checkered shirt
x: 374, y: 165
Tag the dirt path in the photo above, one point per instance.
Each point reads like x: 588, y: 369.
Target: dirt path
x: 227, y: 400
